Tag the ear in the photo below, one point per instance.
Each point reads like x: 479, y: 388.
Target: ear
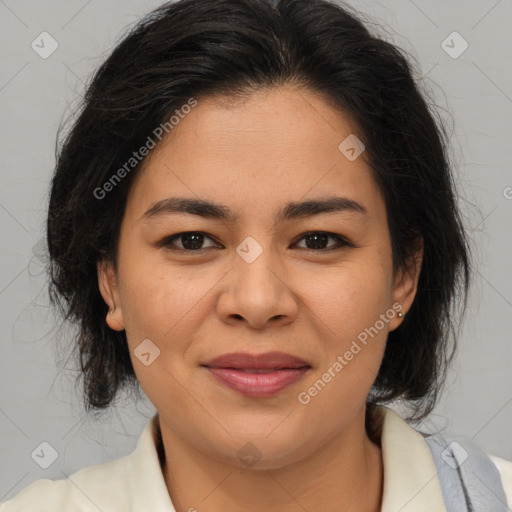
x: 406, y: 284
x: 107, y: 282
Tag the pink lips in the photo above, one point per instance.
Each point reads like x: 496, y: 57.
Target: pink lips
x: 258, y: 375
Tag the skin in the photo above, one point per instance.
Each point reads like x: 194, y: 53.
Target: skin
x: 254, y: 156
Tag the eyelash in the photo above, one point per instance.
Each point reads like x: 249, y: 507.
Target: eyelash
x: 342, y: 242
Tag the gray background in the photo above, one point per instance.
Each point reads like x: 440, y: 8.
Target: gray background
x: 39, y: 401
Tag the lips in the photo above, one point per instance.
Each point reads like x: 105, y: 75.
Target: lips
x: 267, y: 361
x: 259, y: 375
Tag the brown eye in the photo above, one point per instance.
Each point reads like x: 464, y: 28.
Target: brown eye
x: 193, y: 242
x: 317, y: 241
x: 190, y: 241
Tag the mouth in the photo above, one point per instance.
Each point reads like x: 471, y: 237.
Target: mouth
x: 257, y: 375
x: 257, y: 370
x: 257, y: 383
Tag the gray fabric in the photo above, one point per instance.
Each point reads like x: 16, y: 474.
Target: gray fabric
x: 470, y: 482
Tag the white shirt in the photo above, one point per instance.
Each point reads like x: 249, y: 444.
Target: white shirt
x: 135, y: 483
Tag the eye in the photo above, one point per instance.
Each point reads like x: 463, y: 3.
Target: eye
x: 191, y: 241
x: 316, y: 241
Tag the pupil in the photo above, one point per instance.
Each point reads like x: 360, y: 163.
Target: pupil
x: 315, y: 238
x: 197, y: 240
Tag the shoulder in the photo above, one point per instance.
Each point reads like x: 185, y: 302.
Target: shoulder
x: 39, y: 494
x: 411, y: 458
x: 134, y: 482
x: 505, y: 471
x: 92, y: 488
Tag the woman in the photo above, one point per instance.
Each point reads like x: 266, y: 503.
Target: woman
x: 253, y: 218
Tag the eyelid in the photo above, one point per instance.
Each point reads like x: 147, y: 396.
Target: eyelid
x: 340, y: 239
x: 166, y: 242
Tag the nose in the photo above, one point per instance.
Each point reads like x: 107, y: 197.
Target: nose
x: 258, y: 292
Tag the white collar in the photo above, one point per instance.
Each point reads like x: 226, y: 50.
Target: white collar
x: 146, y: 484
x: 410, y: 476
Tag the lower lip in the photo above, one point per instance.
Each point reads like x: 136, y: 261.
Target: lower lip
x: 258, y: 384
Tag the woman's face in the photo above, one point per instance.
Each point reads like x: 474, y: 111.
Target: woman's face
x: 252, y: 281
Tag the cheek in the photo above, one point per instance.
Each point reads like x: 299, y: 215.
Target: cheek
x: 349, y: 298
x: 167, y: 307
x: 160, y: 308
x: 157, y: 297
x: 350, y: 314
x: 353, y: 345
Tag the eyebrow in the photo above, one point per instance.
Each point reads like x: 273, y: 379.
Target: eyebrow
x: 292, y: 210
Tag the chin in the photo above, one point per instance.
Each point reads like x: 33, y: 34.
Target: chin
x: 261, y: 451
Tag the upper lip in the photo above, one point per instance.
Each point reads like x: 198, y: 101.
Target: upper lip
x: 268, y: 360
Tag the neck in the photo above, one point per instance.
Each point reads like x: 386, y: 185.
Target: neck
x: 345, y: 474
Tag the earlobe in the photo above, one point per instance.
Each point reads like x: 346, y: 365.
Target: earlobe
x: 406, y: 284
x: 110, y: 293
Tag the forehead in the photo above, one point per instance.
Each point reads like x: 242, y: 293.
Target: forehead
x: 274, y: 146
